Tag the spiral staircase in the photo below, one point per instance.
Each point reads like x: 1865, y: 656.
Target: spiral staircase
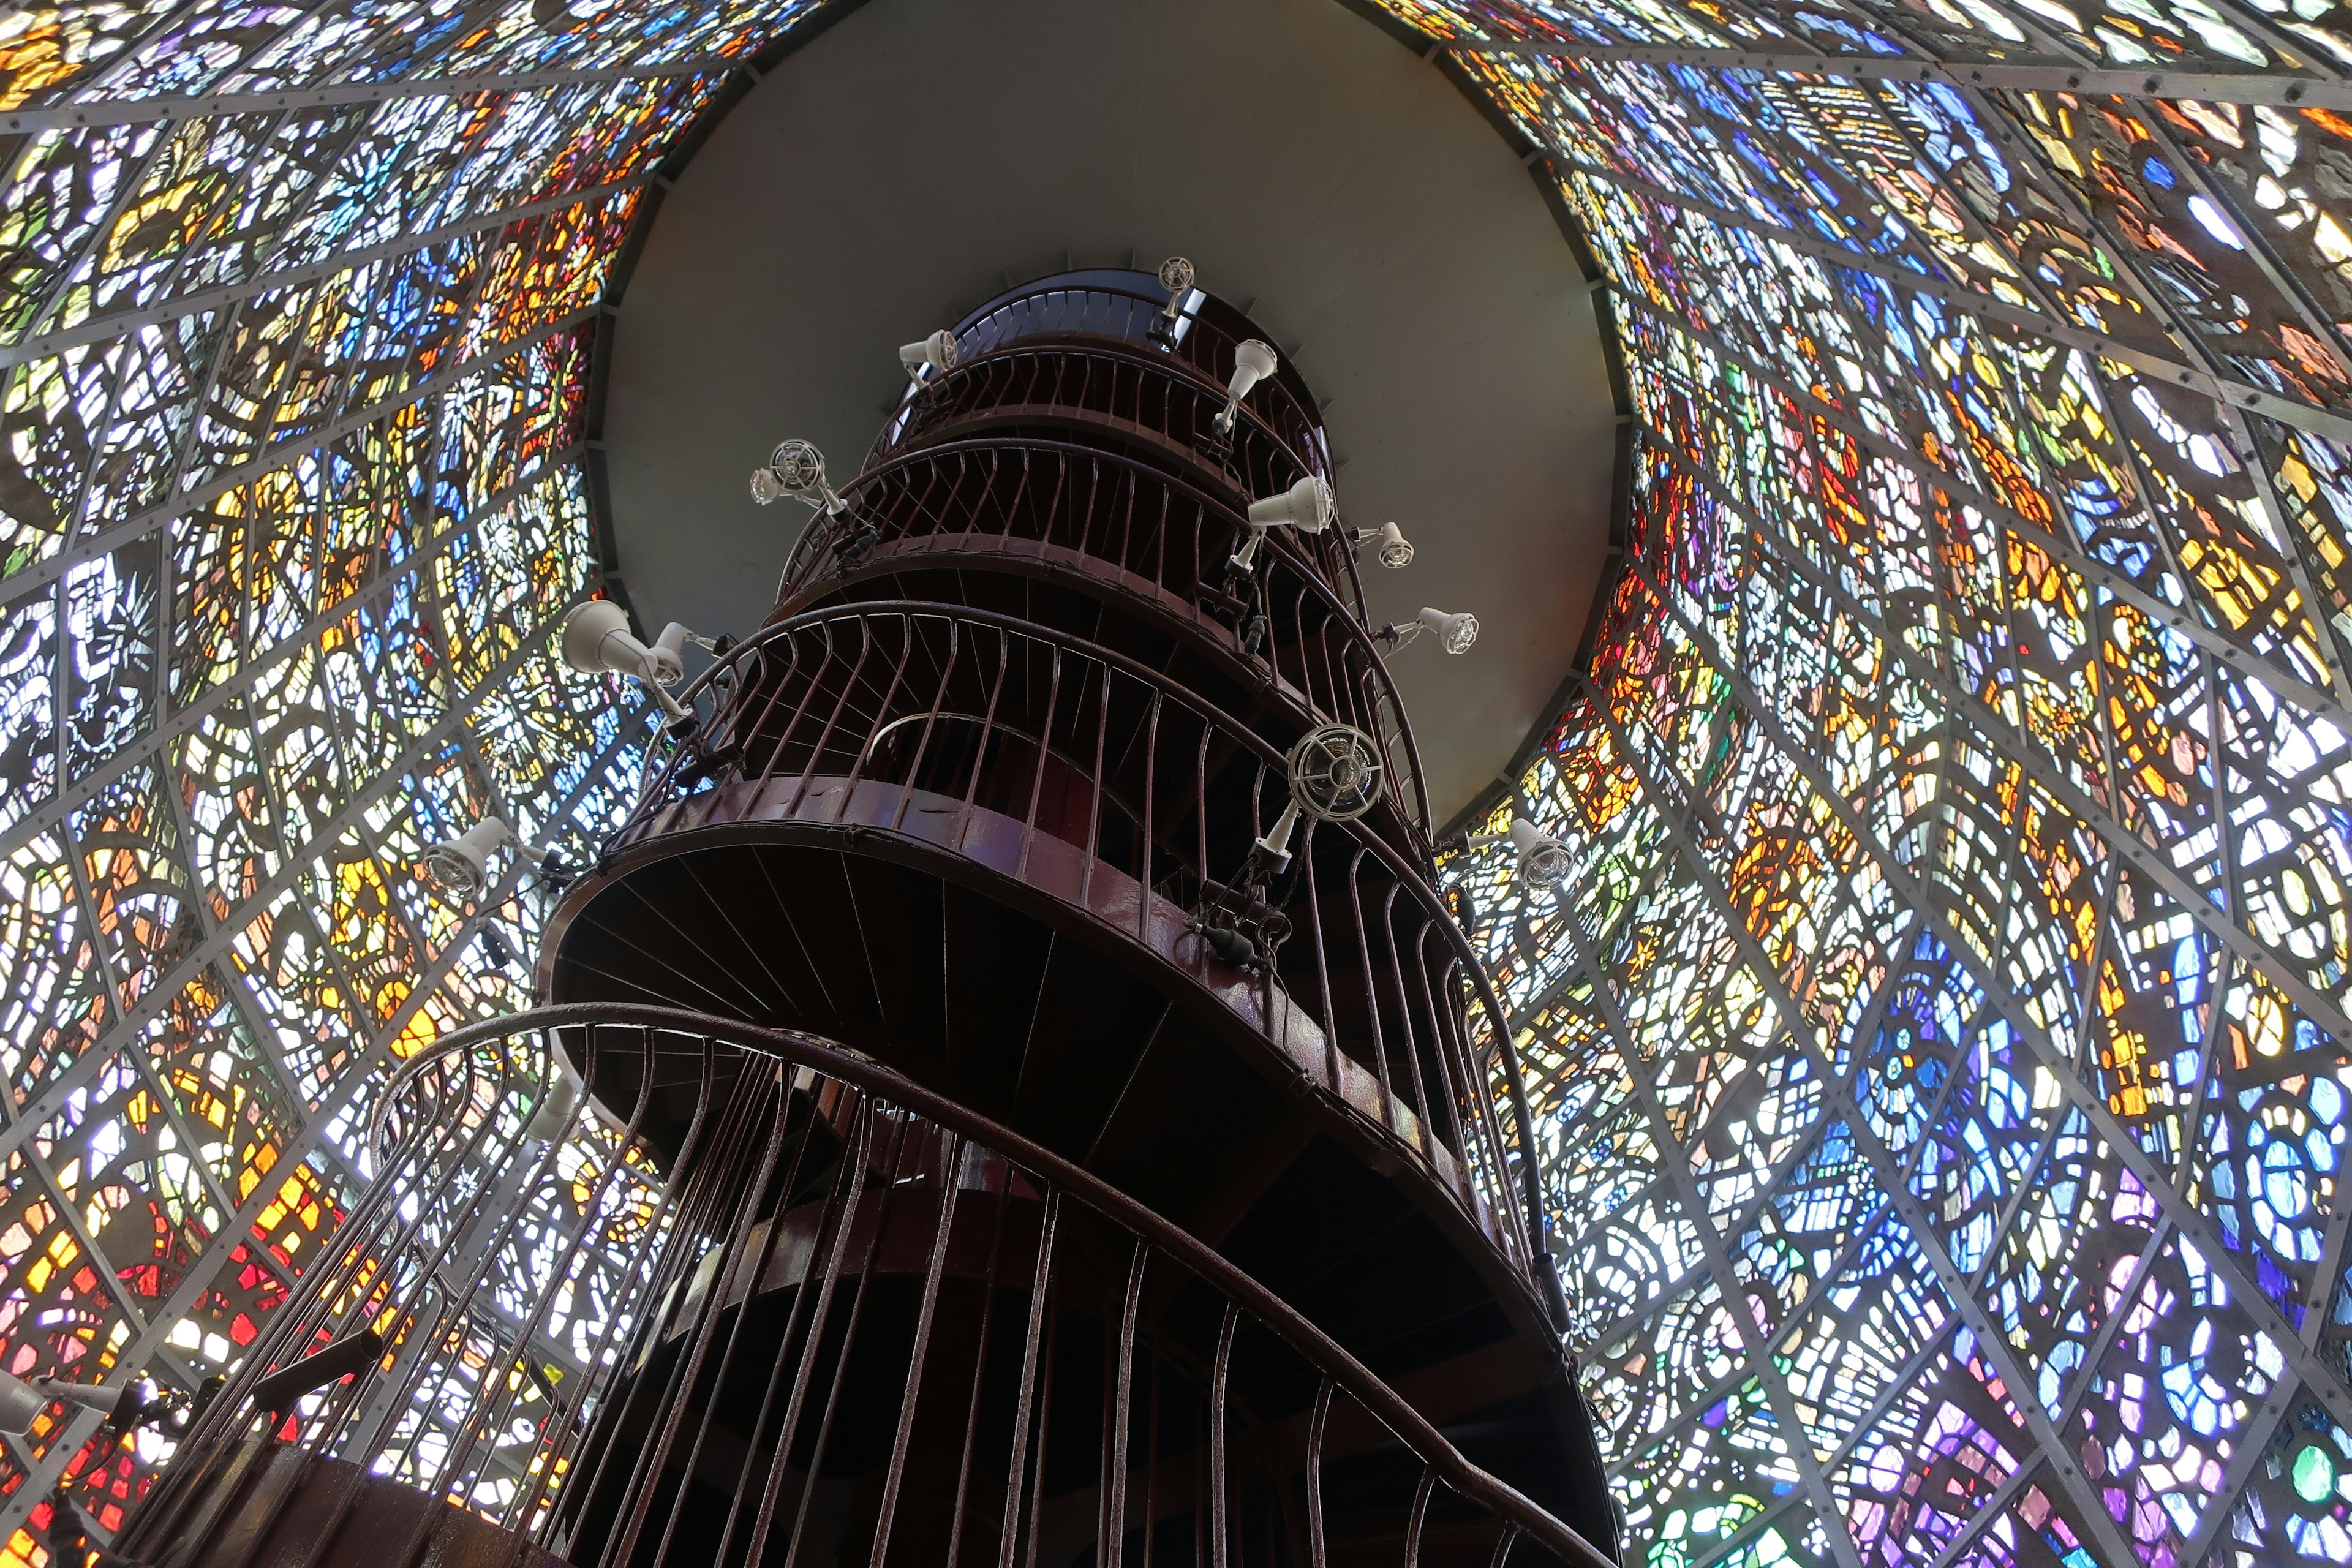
x: 1055, y: 1117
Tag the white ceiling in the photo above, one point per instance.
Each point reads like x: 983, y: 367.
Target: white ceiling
x: 924, y: 154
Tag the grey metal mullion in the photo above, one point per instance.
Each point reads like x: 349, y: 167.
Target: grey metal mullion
x: 294, y: 865
x: 81, y: 112
x: 103, y: 329
x: 159, y: 740
x: 2103, y: 820
x: 2231, y: 411
x: 2225, y: 390
x: 2269, y: 88
x: 2186, y: 619
x: 1866, y: 1141
x: 61, y: 281
x: 148, y: 1069
x: 39, y: 1476
x: 100, y: 542
x: 2193, y: 1223
x: 2275, y: 271
x: 2254, y: 1441
x: 2185, y: 332
x: 2101, y: 1343
x: 1677, y: 1169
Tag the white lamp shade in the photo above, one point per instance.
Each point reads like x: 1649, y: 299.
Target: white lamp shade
x: 938, y: 351
x: 1252, y: 363
x: 1306, y: 506
x: 1395, y: 549
x: 1455, y: 633
x: 597, y: 640
x: 462, y: 865
x: 20, y: 1401
x: 1543, y: 859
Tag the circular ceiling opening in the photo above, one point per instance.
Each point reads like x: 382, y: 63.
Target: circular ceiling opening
x: 921, y: 156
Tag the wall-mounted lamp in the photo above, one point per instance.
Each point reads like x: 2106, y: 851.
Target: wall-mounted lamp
x: 597, y: 640
x: 1544, y: 861
x: 1252, y: 363
x: 1176, y: 276
x: 796, y: 468
x: 461, y: 866
x: 1455, y: 633
x: 1307, y: 506
x: 1396, y: 550
x: 937, y: 351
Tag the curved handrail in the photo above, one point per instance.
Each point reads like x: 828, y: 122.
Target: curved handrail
x: 802, y: 571
x: 1534, y: 1225
x: 1310, y: 1342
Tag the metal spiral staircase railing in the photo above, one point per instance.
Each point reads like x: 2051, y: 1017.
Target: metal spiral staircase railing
x: 551, y: 1326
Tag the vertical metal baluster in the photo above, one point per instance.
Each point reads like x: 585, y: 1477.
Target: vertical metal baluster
x: 989, y: 1285
x: 672, y: 1244
x: 1503, y: 1545
x: 1037, y: 778
x: 931, y: 720
x: 905, y: 1145
x: 723, y: 1284
x: 1364, y: 958
x: 987, y: 732
x: 1147, y: 828
x: 1217, y: 1500
x: 1152, y: 1461
x: 841, y: 1209
x: 881, y: 713
x: 1420, y: 1517
x: 652, y: 1459
x: 1016, y: 1461
x: 952, y: 1174
x: 1113, y: 1548
x: 1404, y: 1011
x: 1316, y: 1425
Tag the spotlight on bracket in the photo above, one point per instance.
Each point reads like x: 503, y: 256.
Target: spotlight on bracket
x: 1455, y: 633
x: 1396, y: 550
x: 1306, y: 506
x: 796, y: 468
x: 1334, y: 776
x: 1544, y: 861
x: 461, y: 866
x: 937, y: 351
x: 1176, y: 276
x: 597, y: 640
x: 1252, y: 363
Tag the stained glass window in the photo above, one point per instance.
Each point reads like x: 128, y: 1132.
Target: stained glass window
x: 1936, y: 1045
x: 1939, y: 1040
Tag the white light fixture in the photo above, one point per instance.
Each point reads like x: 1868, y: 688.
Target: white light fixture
x: 796, y: 468
x: 1396, y: 550
x: 22, y: 1401
x: 1176, y: 276
x: 937, y: 352
x: 1306, y: 506
x: 597, y: 640
x: 1334, y: 773
x: 1252, y: 363
x: 1544, y: 861
x: 550, y: 1119
x: 462, y: 865
x: 1455, y: 633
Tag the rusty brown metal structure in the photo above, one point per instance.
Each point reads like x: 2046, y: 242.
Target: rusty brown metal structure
x: 976, y: 1132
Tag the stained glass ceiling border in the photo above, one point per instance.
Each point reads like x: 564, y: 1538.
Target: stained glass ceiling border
x: 1944, y: 1102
